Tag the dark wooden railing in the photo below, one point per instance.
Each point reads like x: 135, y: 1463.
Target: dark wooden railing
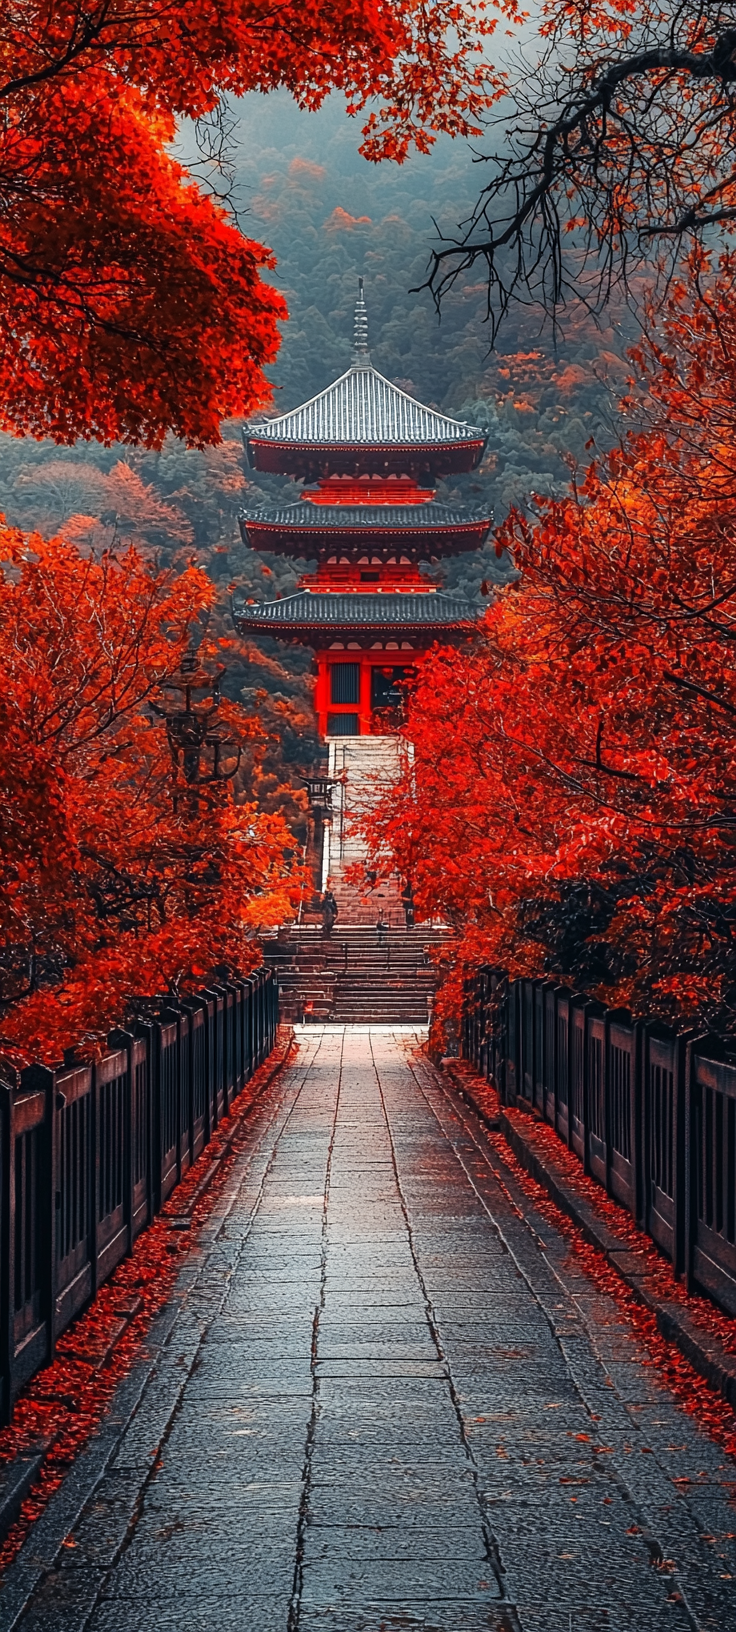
x: 89, y: 1153
x: 650, y: 1113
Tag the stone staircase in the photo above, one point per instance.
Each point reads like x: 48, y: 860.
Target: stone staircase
x: 352, y: 976
x: 351, y: 979
x: 361, y: 909
x: 364, y: 769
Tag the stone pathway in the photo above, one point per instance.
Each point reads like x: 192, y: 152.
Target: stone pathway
x: 383, y: 1399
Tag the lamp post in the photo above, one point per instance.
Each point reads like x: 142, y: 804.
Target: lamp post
x: 319, y: 793
x: 200, y: 748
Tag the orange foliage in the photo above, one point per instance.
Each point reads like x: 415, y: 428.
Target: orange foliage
x: 116, y: 879
x: 130, y: 304
x: 341, y: 221
x: 305, y: 169
x: 570, y: 803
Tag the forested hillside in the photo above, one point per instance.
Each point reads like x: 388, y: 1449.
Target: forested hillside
x: 301, y: 187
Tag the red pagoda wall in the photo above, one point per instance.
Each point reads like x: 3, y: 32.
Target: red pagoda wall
x: 364, y: 706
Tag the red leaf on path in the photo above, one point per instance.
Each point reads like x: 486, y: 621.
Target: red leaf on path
x: 68, y: 1402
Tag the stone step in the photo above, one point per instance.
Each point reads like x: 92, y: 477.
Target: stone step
x: 356, y: 1014
x: 366, y: 936
x: 352, y: 978
x: 381, y: 994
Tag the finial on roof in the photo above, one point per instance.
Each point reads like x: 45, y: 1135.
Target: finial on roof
x: 361, y: 354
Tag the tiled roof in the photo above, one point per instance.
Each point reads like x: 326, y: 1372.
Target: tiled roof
x: 362, y: 408
x: 307, y: 610
x: 402, y: 517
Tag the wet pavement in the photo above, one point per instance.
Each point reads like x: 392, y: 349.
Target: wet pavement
x: 384, y: 1398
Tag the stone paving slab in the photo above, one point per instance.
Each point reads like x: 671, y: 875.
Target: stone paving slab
x: 382, y: 1400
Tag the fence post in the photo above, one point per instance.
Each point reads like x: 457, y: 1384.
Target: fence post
x: 56, y: 1103
x: 261, y: 1017
x: 692, y: 1153
x: 40, y: 1080
x: 124, y: 1040
x: 6, y: 1324
x: 606, y: 1098
x: 476, y: 1017
x: 210, y: 1007
x: 485, y: 1022
x: 570, y: 1065
x: 483, y: 1014
x: 253, y: 1023
x: 31, y: 1254
x: 499, y: 996
x: 639, y: 1145
x: 210, y: 1120
x: 144, y: 1030
x: 250, y: 1024
x: 237, y: 985
x: 490, y: 1025
x: 512, y: 1041
x: 222, y: 1063
x: 586, y: 1007
x: 181, y: 1109
x: 690, y: 1169
x: 466, y: 1029
x: 187, y: 1013
x: 46, y: 1220
x: 680, y: 1157
x: 231, y: 1014
x: 155, y: 1101
x: 537, y: 987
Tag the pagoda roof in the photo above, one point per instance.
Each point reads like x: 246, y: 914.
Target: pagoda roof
x: 310, y: 610
x: 310, y: 520
x: 363, y: 408
x: 362, y: 422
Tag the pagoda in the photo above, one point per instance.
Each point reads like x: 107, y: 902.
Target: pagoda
x: 370, y: 518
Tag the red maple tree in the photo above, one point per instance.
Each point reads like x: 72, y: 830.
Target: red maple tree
x: 130, y: 304
x: 119, y: 876
x: 569, y: 807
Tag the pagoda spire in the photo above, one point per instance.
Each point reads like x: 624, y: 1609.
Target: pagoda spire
x: 361, y: 354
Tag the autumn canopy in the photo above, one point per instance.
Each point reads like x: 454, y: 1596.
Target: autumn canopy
x: 118, y: 877
x: 132, y: 307
x: 570, y: 806
x: 130, y: 304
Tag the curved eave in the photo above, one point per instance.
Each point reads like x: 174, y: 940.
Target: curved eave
x: 308, y: 631
x: 346, y: 612
x: 363, y: 408
x: 314, y: 459
x: 305, y: 541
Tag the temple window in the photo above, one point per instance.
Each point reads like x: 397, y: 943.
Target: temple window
x: 345, y: 683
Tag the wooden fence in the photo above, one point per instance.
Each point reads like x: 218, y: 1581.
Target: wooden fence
x: 650, y: 1113
x: 89, y: 1153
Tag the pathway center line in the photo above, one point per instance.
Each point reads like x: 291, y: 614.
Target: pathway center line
x: 491, y: 1544
x: 295, y: 1604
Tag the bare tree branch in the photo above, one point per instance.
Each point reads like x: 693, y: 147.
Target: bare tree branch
x: 628, y: 145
